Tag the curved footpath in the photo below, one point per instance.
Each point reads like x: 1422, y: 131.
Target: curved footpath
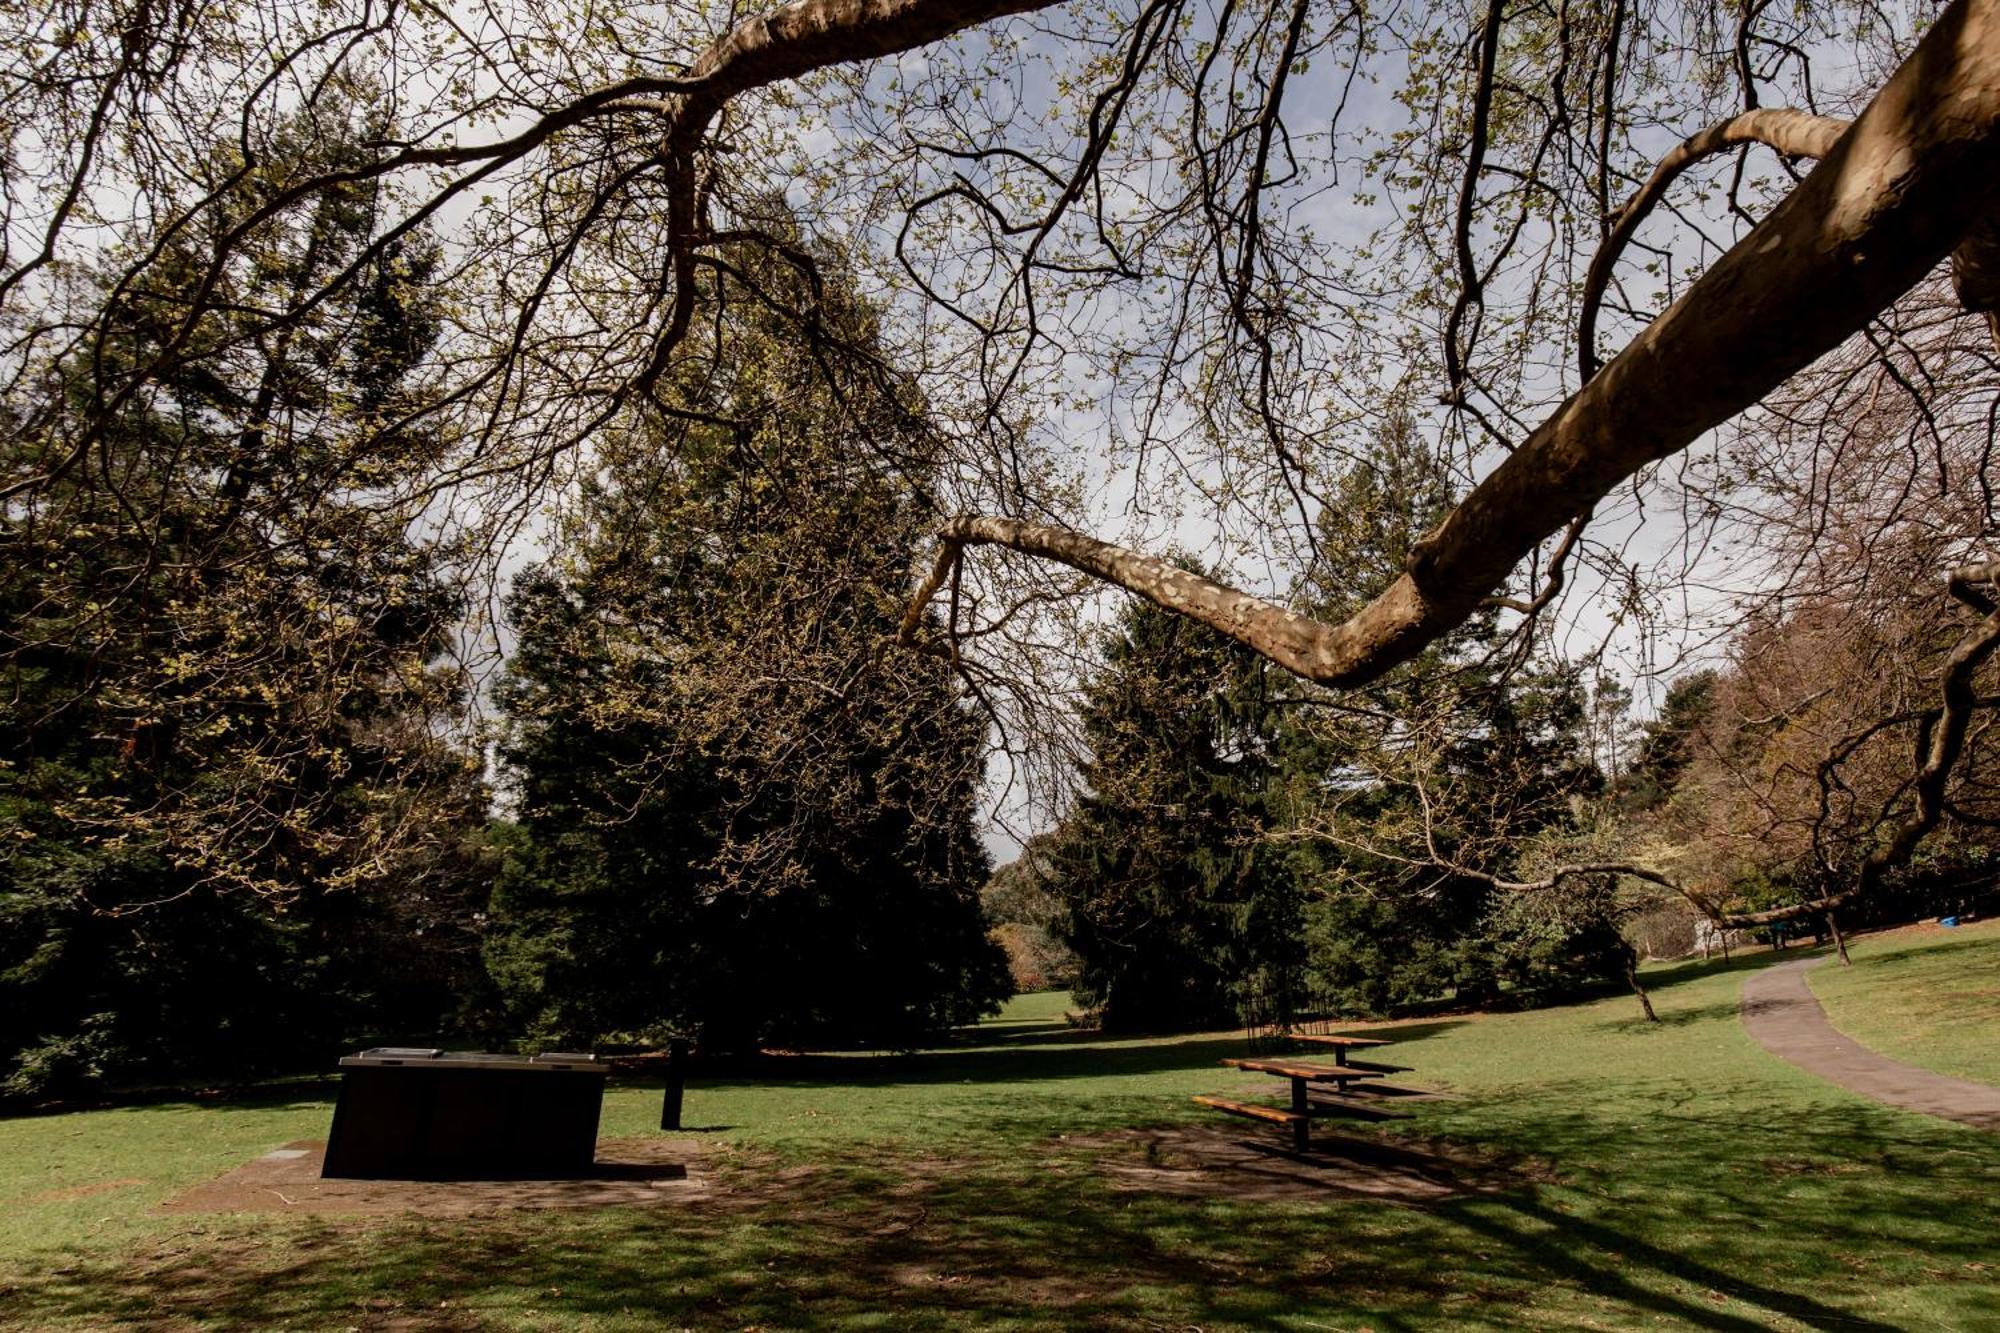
x: 1781, y: 1012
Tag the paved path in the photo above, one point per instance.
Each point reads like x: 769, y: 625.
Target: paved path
x: 1781, y: 1012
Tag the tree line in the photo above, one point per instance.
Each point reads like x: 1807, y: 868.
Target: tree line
x: 722, y: 805
x: 272, y: 432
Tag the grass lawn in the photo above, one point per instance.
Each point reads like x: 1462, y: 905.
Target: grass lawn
x: 1926, y: 995
x: 1686, y: 1180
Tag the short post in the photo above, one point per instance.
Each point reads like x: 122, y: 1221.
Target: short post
x: 670, y: 1100
x: 1302, y: 1127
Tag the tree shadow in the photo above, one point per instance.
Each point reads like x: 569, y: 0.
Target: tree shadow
x: 1401, y: 1032
x: 922, y: 1243
x: 1638, y: 1025
x: 1926, y: 948
x: 1058, y: 1034
x: 1001, y: 1064
x: 1681, y: 973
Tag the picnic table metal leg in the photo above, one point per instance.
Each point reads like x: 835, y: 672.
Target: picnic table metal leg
x: 1302, y: 1127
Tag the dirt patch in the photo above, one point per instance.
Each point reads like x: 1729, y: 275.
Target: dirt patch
x: 85, y: 1191
x: 634, y: 1171
x: 1228, y: 1164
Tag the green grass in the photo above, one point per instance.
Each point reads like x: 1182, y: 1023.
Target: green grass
x: 1929, y: 997
x: 1688, y: 1181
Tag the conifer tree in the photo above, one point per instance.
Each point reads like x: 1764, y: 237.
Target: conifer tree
x: 1430, y: 779
x: 1180, y: 915
x: 744, y: 815
x: 230, y: 821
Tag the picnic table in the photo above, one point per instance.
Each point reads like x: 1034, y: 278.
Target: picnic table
x: 1333, y: 1084
x: 1341, y: 1045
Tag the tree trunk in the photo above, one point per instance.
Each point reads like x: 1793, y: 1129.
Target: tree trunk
x: 1632, y: 979
x: 1839, y: 940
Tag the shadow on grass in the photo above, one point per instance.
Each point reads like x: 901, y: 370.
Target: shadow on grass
x: 1030, y: 1034
x: 1689, y: 1016
x: 1726, y: 1225
x: 1670, y: 975
x: 1095, y: 1057
x: 1409, y: 1031
x: 1926, y: 949
x: 269, y: 1095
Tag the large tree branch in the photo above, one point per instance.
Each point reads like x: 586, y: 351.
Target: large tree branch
x: 807, y: 35
x: 786, y: 43
x: 1975, y: 272
x: 1916, y: 172
x: 1274, y: 632
x: 1792, y: 133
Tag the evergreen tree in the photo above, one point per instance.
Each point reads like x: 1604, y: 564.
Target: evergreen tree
x: 1444, y: 766
x: 230, y: 831
x: 1666, y: 743
x: 1179, y: 915
x: 744, y: 814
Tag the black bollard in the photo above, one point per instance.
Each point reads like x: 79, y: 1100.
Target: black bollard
x: 670, y: 1101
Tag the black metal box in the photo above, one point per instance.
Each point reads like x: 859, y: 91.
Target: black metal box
x: 421, y: 1114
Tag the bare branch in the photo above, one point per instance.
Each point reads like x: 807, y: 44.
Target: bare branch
x: 1887, y: 204
x: 1791, y: 132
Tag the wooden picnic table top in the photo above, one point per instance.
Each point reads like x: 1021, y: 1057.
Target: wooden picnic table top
x: 1327, y: 1039
x: 1300, y: 1069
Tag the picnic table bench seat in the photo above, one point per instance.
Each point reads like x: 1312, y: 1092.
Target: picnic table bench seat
x: 1345, y: 1088
x: 1277, y: 1115
x: 1300, y: 1121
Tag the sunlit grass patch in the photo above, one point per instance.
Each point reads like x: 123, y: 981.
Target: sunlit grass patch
x: 1683, y: 1178
x: 1928, y: 996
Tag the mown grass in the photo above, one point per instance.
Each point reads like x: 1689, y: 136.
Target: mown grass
x: 1691, y: 1181
x: 1930, y: 997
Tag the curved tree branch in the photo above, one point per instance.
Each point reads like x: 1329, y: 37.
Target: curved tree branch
x: 1895, y: 195
x: 786, y: 43
x: 1790, y: 132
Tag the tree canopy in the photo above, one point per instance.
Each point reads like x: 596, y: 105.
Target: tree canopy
x: 740, y: 818
x: 1152, y: 266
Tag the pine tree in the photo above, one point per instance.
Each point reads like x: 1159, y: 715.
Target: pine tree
x: 1444, y: 766
x: 745, y: 816
x: 1179, y: 914
x: 228, y: 816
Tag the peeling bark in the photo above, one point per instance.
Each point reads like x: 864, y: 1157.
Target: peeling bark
x: 1283, y: 636
x: 807, y: 35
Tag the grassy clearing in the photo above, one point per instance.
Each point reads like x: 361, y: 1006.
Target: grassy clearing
x: 1927, y: 995
x: 1697, y: 1183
